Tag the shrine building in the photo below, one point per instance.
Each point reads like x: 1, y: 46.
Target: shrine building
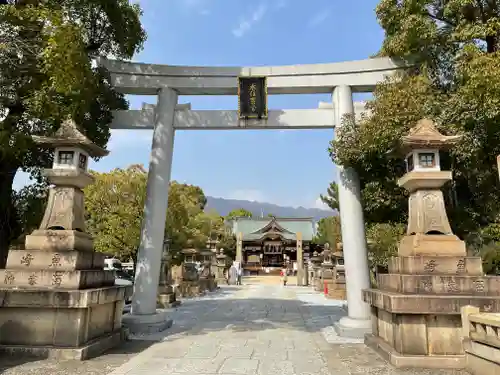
x: 271, y: 243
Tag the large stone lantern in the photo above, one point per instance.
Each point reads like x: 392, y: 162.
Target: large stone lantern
x: 428, y: 230
x: 58, y: 301
x: 416, y: 308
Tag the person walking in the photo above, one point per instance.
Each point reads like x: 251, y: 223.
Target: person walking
x: 284, y: 276
x: 240, y: 273
x: 233, y: 274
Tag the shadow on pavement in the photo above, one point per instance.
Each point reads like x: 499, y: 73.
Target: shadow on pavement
x: 224, y: 310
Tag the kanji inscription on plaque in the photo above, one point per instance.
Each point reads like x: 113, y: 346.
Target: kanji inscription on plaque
x: 57, y: 278
x: 27, y: 259
x: 451, y: 286
x: 461, y: 266
x: 426, y: 285
x: 430, y: 266
x: 479, y: 286
x: 32, y: 280
x: 56, y: 260
x: 9, y: 278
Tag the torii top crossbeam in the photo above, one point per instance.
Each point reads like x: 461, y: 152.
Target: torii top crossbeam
x: 146, y: 79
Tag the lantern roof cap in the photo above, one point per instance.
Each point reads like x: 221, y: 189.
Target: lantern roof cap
x: 425, y: 135
x: 68, y: 135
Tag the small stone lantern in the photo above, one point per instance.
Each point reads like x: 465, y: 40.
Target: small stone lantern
x: 166, y: 295
x: 327, y: 254
x: 428, y: 230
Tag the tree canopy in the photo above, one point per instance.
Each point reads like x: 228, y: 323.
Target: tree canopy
x: 239, y: 212
x: 331, y: 199
x: 456, y: 82
x: 47, y: 74
x: 328, y: 231
x: 115, y: 207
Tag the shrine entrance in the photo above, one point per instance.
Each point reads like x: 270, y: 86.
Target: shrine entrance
x: 251, y: 84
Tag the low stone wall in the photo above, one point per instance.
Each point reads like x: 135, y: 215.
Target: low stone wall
x: 481, y: 333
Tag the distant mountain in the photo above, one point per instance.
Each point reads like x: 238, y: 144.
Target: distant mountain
x: 224, y: 206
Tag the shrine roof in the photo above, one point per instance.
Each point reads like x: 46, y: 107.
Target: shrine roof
x: 254, y: 229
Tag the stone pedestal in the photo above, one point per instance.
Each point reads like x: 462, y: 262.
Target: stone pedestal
x: 59, y: 303
x: 166, y: 294
x: 318, y: 279
x: 167, y: 297
x: 57, y: 300
x: 337, y: 286
x: 327, y: 275
x: 416, y: 310
x: 189, y: 282
x: 207, y: 279
x: 221, y: 263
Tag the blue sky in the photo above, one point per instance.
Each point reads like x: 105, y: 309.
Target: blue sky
x: 288, y: 167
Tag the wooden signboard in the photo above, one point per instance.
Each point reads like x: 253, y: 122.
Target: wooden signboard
x: 252, y: 97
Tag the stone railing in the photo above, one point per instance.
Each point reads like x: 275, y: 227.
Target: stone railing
x: 481, y: 333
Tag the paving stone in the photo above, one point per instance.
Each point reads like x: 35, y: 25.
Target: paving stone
x: 239, y: 366
x: 195, y: 366
x: 243, y: 352
x: 255, y: 329
x: 155, y: 366
x: 203, y: 351
x: 270, y: 367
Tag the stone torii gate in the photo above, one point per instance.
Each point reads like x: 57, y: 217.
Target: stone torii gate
x: 168, y: 82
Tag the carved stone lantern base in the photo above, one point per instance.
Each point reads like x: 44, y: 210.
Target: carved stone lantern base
x: 429, y: 244
x: 57, y: 300
x: 167, y: 300
x: 416, y: 309
x: 337, y: 285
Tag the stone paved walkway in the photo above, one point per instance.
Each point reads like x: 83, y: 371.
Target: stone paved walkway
x: 258, y: 329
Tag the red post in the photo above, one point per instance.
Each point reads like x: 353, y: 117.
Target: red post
x: 325, y: 288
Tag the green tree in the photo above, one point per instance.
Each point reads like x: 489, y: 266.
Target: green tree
x: 331, y: 199
x: 328, y: 231
x: 383, y: 240
x: 239, y: 212
x: 454, y: 45
x: 115, y: 208
x: 490, y: 253
x: 46, y: 74
x: 30, y: 203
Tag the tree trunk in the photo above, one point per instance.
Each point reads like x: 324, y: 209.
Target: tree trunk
x: 491, y: 43
x: 8, y: 221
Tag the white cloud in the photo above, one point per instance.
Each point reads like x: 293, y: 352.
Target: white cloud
x: 246, y: 23
x: 319, y: 18
x: 248, y: 195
